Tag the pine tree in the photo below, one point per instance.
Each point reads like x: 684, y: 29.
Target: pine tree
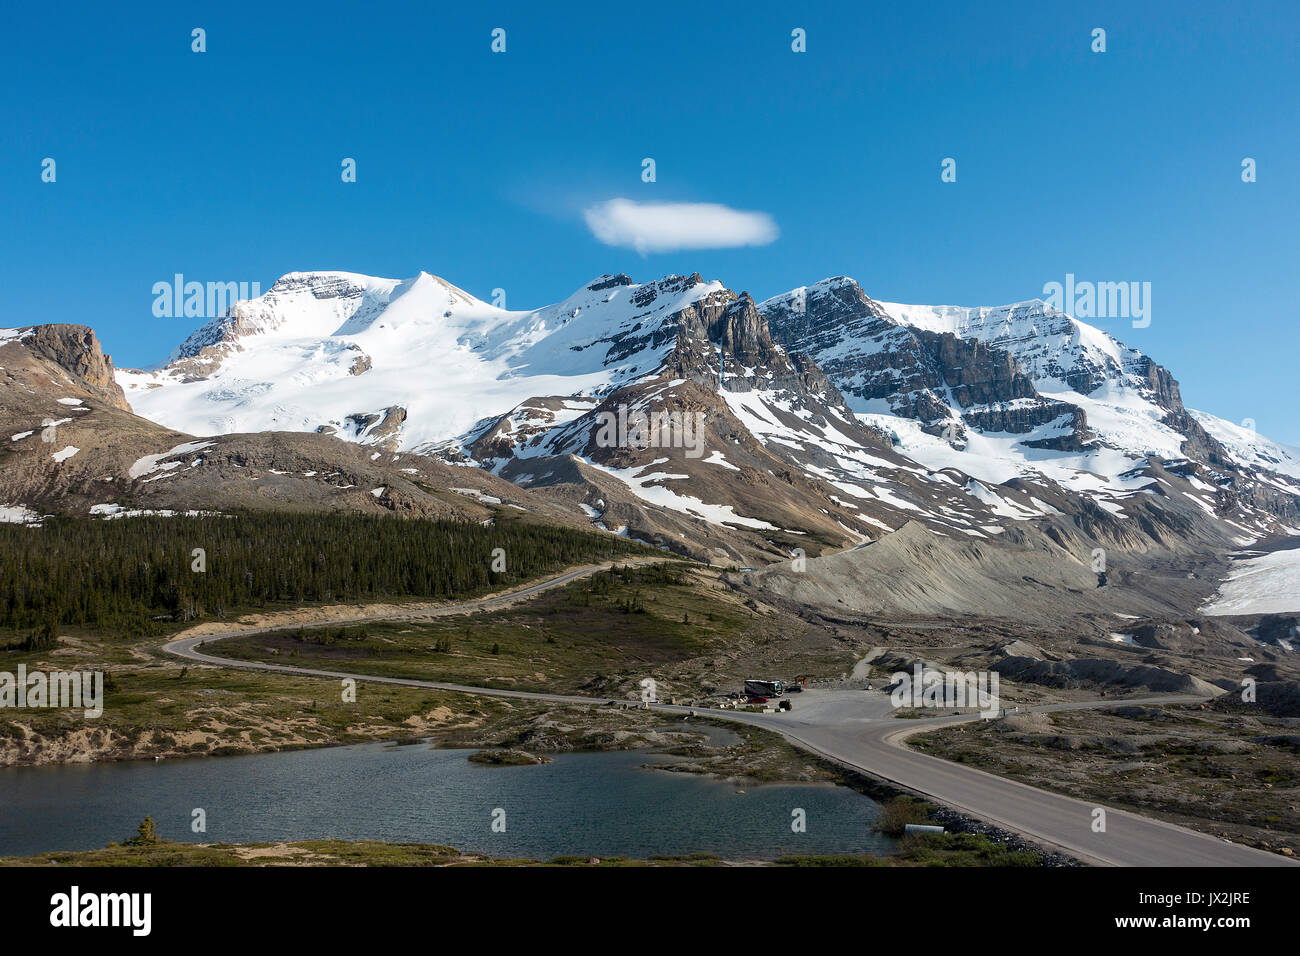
x: 146, y: 833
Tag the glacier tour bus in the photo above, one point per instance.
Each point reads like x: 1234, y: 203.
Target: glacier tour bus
x: 763, y: 689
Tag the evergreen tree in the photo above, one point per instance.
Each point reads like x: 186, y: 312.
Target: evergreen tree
x: 134, y: 575
x: 146, y: 833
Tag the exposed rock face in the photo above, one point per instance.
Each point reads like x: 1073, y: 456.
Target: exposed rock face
x: 1199, y: 446
x: 202, y: 353
x: 360, y: 365
x: 1101, y: 672
x: 723, y: 341
x: 872, y: 357
x: 610, y: 282
x: 1258, y: 494
x: 743, y: 335
x: 76, y: 349
x: 629, y: 342
x: 1022, y: 417
x: 938, y: 378
x: 896, y: 358
x: 378, y: 428
x: 861, y: 349
x: 815, y: 381
x: 1161, y: 385
x: 976, y: 373
x: 1276, y: 628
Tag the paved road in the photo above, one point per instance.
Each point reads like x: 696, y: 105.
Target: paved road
x: 856, y: 729
x: 855, y: 736
x: 188, y: 647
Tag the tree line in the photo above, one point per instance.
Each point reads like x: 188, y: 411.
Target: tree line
x: 138, y: 575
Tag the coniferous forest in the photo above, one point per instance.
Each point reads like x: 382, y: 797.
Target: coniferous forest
x: 137, y: 575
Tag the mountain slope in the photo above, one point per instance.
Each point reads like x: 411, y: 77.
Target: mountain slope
x: 73, y: 446
x: 421, y: 366
x: 343, y: 354
x: 813, y: 421
x: 1026, y: 391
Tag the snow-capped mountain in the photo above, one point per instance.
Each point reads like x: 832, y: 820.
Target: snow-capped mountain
x: 1249, y: 448
x: 822, y: 417
x: 398, y: 363
x: 1020, y: 390
x: 73, y: 446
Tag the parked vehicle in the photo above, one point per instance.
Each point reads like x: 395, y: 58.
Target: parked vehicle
x: 764, y: 688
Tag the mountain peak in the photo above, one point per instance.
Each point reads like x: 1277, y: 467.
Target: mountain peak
x: 296, y: 281
x: 607, y: 281
x: 797, y: 300
x: 1018, y: 391
x: 836, y: 282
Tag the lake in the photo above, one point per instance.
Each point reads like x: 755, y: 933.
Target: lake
x: 589, y: 804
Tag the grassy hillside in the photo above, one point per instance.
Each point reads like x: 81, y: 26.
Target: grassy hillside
x: 628, y: 622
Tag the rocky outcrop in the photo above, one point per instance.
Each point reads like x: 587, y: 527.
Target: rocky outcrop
x: 1277, y: 628
x: 361, y: 364
x: 870, y: 356
x: 203, y: 352
x: 1019, y: 418
x: 686, y: 328
x: 743, y: 335
x: 378, y: 428
x: 975, y: 373
x: 920, y: 374
x: 1101, y: 672
x: 1278, y: 698
x: 76, y: 350
x: 1198, y: 446
x: 608, y: 281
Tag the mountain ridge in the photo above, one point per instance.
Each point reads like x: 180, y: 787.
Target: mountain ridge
x: 828, y: 418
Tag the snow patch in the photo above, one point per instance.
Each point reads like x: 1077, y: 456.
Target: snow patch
x: 150, y: 463
x: 1268, y: 584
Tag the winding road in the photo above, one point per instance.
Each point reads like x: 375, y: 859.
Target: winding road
x: 855, y: 729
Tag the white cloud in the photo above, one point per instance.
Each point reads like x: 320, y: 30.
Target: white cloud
x: 668, y: 226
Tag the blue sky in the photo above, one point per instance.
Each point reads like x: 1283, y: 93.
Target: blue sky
x: 225, y: 165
